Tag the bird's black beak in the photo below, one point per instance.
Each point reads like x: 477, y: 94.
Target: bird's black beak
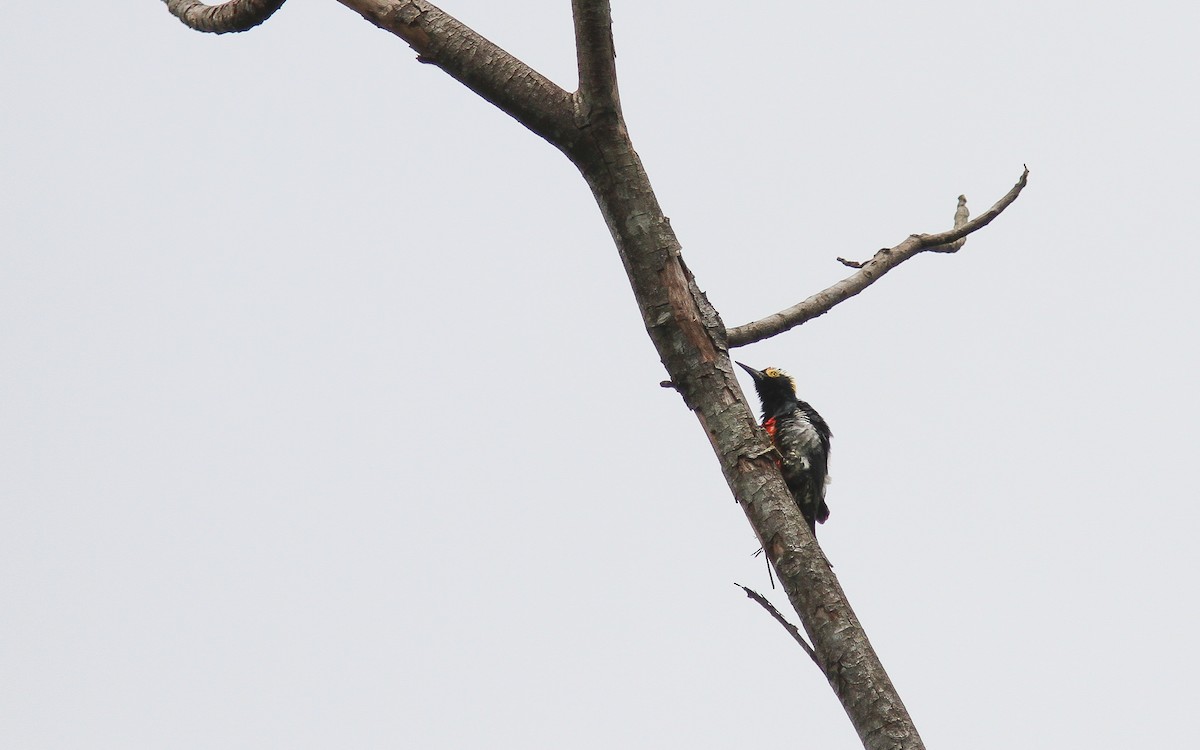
x: 757, y: 375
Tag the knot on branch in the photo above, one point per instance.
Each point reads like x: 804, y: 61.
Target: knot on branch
x: 227, y: 18
x: 961, y: 215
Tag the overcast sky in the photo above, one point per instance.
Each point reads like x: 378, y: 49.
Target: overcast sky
x: 328, y: 419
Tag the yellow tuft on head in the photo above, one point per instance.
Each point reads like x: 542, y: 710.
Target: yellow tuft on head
x: 775, y: 372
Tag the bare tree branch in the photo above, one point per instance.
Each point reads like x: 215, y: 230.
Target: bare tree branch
x: 442, y: 40
x: 690, y: 339
x: 685, y: 328
x: 438, y: 38
x: 870, y: 271
x: 961, y: 214
x: 235, y: 15
x: 792, y: 630
x: 596, y: 57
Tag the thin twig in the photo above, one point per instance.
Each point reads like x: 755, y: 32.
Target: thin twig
x: 790, y: 628
x: 871, y: 270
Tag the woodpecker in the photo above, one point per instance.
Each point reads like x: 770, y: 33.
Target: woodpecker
x: 801, y: 438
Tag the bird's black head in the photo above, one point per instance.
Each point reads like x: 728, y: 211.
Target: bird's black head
x: 776, y: 389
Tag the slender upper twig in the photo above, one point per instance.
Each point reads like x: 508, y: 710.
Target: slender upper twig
x: 235, y: 15
x: 596, y: 56
x: 870, y: 271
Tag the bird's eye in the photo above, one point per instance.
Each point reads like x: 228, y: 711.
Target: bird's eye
x: 771, y: 372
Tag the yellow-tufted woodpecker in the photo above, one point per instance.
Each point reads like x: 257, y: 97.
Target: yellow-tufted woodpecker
x: 800, y: 436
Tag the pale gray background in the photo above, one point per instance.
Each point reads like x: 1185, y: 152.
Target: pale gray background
x: 328, y: 420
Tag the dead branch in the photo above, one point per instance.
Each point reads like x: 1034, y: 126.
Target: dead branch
x: 792, y: 630
x: 871, y: 270
x: 235, y: 15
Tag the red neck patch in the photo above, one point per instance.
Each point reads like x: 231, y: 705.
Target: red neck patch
x: 769, y: 426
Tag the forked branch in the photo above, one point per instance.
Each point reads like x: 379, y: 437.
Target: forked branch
x: 870, y: 271
x: 235, y: 15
